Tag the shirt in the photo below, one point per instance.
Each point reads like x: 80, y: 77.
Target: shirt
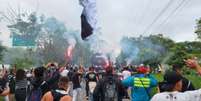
x: 20, y: 84
x: 141, y: 85
x: 76, y: 81
x: 187, y: 85
x: 91, y: 76
x: 126, y: 74
x: 48, y: 97
x: 178, y: 96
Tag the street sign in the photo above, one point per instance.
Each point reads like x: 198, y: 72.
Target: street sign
x: 23, y: 40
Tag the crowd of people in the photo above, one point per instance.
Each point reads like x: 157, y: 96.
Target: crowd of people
x: 66, y: 83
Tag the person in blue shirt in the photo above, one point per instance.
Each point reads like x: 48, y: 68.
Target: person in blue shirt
x: 141, y: 84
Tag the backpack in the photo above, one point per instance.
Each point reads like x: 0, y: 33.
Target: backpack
x: 110, y: 93
x: 56, y: 95
x: 35, y: 95
x: 2, y: 84
x: 11, y: 79
x: 92, y: 76
x: 70, y: 75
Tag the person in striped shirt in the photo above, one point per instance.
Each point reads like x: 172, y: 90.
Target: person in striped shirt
x: 21, y: 85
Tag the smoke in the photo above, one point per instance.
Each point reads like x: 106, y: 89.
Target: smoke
x: 167, y: 57
x: 71, y: 42
x: 130, y: 50
x: 140, y: 50
x: 98, y: 43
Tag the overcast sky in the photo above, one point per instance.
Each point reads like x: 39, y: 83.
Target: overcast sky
x: 118, y: 17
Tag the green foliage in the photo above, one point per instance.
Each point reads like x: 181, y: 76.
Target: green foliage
x: 178, y: 57
x: 25, y: 29
x: 184, y: 50
x: 198, y: 29
x: 161, y: 40
x: 148, y: 50
x: 1, y: 51
x: 51, y: 41
x: 51, y: 44
x: 22, y: 58
x: 193, y: 78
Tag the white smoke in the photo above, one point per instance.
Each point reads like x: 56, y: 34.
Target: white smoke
x: 70, y: 39
x: 98, y: 44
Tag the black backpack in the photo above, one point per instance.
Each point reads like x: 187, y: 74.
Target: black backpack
x: 35, y: 95
x: 11, y: 79
x: 56, y: 95
x: 2, y: 84
x: 70, y: 75
x: 111, y: 92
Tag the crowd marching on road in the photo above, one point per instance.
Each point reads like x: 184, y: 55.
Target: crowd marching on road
x: 76, y: 83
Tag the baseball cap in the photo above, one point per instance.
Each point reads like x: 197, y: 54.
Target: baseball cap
x: 142, y: 69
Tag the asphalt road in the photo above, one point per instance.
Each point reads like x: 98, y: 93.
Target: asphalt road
x: 83, y: 92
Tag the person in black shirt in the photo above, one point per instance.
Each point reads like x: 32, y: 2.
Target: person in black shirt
x: 4, y: 88
x: 39, y: 81
x: 76, y: 80
x: 91, y: 79
x: 109, y: 88
x: 11, y: 79
x: 186, y: 84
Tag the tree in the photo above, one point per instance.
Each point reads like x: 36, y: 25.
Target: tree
x: 51, y: 44
x: 22, y: 58
x: 147, y: 50
x: 198, y: 29
x: 179, y: 55
x: 1, y: 51
x: 47, y: 33
x: 27, y: 26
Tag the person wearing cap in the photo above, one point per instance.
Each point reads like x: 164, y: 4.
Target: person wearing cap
x: 140, y: 84
x: 173, y: 86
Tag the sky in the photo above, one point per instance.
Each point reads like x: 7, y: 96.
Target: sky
x: 118, y: 18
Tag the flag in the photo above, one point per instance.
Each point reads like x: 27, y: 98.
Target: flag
x: 86, y: 29
x: 88, y: 18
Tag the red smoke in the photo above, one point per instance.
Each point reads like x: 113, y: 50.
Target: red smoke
x: 68, y: 53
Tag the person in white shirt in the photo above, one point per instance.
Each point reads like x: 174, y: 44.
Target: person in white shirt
x: 126, y: 73
x: 174, y: 85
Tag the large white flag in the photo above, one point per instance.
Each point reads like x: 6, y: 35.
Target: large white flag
x: 88, y: 18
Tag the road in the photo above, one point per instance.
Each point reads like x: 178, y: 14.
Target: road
x: 83, y: 93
